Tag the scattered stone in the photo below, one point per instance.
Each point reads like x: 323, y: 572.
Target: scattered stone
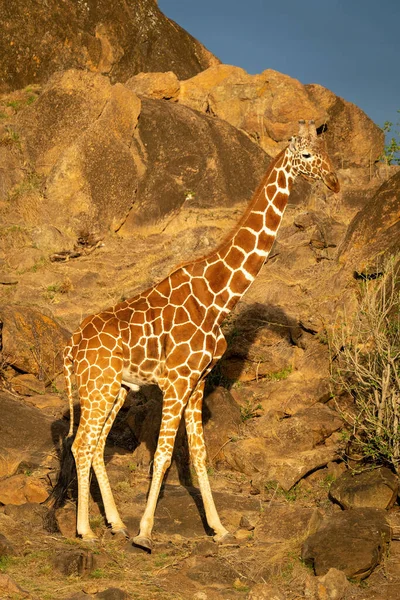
x: 351, y: 541
x: 245, y: 523
x: 66, y: 520
x: 286, y: 450
x: 20, y: 489
x: 75, y: 562
x: 332, y: 586
x: 377, y: 488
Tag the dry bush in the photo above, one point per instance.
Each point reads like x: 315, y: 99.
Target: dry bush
x: 366, y: 364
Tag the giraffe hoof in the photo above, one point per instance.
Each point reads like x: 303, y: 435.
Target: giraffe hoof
x: 226, y: 538
x: 143, y: 542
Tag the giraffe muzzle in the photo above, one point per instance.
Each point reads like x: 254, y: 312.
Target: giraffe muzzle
x: 332, y: 182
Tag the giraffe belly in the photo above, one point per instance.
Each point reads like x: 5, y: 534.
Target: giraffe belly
x: 133, y: 380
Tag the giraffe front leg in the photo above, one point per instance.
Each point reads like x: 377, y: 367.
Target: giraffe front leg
x: 198, y: 455
x: 110, y: 509
x: 171, y: 417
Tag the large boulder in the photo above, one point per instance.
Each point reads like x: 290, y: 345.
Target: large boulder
x: 32, y: 342
x: 374, y: 231
x: 377, y: 488
x: 352, y: 541
x: 116, y: 38
x: 27, y: 436
x: 354, y: 137
x: 268, y: 106
x: 97, y: 158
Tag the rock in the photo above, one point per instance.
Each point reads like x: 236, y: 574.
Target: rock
x: 377, y: 488
x: 75, y: 563
x: 350, y: 133
x: 259, y: 344
x: 27, y: 385
x: 280, y: 523
x: 50, y: 403
x: 66, y: 521
x: 119, y: 39
x: 286, y: 450
x: 6, y: 548
x: 20, y: 489
x: 30, y: 438
x: 91, y: 156
x: 225, y: 173
x: 268, y: 106
x: 352, y: 541
x: 155, y: 85
x: 31, y: 341
x: 374, y: 231
x: 84, y: 136
x: 206, y: 548
x: 332, y: 586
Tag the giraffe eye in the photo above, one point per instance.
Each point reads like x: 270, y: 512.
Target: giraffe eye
x: 306, y: 155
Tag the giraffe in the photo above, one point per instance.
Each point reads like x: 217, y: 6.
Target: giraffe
x: 170, y: 335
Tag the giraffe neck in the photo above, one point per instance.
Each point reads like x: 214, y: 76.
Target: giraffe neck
x: 232, y: 268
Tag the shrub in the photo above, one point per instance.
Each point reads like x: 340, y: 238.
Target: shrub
x: 366, y: 364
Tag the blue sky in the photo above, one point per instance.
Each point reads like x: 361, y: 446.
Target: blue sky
x: 351, y: 47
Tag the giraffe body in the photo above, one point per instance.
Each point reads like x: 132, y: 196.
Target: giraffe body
x: 170, y: 335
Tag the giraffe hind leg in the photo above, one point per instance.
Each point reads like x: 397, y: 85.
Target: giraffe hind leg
x: 95, y: 422
x: 111, y: 511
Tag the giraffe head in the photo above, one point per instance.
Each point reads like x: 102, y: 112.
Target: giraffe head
x: 309, y: 157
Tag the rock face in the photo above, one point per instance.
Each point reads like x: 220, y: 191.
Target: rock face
x: 286, y: 450
x: 112, y: 176
x: 119, y: 39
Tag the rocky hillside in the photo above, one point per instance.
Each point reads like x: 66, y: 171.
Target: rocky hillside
x: 127, y: 149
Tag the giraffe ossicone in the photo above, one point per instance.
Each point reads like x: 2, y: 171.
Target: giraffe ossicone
x: 170, y: 335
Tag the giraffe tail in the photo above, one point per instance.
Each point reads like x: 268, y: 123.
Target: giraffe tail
x: 67, y: 471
